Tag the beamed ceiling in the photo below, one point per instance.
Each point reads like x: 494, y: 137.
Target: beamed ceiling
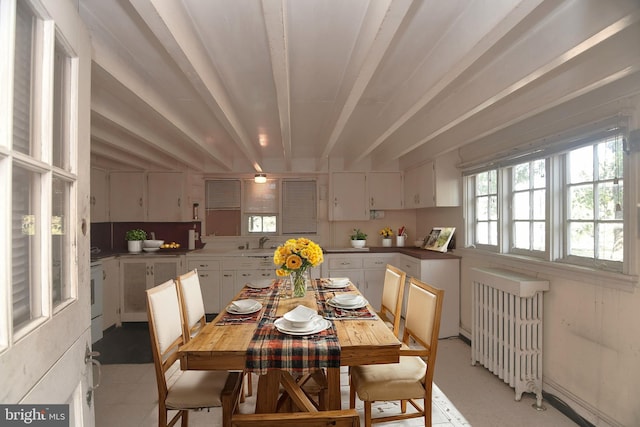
x: 237, y: 86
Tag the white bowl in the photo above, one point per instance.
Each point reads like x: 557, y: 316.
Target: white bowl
x: 358, y: 243
x: 300, y: 316
x: 347, y: 299
x: 152, y: 243
x: 418, y: 243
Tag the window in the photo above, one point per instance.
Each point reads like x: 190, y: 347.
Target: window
x: 528, y: 201
x: 38, y: 164
x: 594, y: 193
x: 565, y: 206
x: 285, y: 207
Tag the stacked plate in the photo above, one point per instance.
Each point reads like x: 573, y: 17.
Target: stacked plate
x: 347, y: 301
x: 244, y: 306
x: 260, y: 284
x: 315, y: 325
x: 336, y: 282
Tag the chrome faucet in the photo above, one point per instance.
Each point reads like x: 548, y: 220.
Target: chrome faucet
x: 262, y: 241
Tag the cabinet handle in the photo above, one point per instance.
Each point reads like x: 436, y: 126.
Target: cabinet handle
x: 344, y: 263
x: 266, y: 275
x: 204, y: 265
x: 335, y: 201
x: 203, y: 275
x: 228, y: 275
x: 151, y: 270
x: 104, y: 275
x: 245, y: 274
x: 179, y: 202
x: 372, y: 202
x: 140, y: 201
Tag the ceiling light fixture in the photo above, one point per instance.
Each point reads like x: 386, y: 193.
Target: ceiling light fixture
x: 260, y: 178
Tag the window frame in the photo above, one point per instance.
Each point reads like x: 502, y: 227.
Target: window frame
x: 556, y: 227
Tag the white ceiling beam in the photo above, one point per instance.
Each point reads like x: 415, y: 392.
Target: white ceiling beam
x: 114, y: 65
x: 591, y: 78
x: 274, y: 12
x: 384, y: 19
x: 125, y: 159
x: 465, y: 24
x: 125, y: 123
x: 173, y: 28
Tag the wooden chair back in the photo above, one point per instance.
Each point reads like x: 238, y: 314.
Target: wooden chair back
x: 191, y: 303
x: 392, y: 294
x: 339, y: 418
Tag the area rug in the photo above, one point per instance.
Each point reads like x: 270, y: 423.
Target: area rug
x: 129, y: 343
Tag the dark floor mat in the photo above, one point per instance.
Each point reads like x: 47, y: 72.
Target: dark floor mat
x: 129, y: 343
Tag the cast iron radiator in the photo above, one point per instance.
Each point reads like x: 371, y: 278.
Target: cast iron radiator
x: 507, y: 327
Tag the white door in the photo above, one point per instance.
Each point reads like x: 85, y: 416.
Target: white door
x: 44, y: 207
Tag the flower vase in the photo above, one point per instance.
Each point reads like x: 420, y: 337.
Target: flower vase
x: 299, y: 283
x: 387, y: 241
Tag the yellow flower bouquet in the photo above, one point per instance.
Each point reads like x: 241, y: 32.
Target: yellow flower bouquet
x: 293, y: 258
x: 386, y: 232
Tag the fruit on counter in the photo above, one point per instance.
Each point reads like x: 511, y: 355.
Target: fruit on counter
x: 172, y: 245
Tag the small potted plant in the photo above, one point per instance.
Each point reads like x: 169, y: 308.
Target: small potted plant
x: 386, y: 234
x: 134, y: 239
x: 358, y: 238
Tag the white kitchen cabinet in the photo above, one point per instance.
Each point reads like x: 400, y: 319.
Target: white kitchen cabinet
x: 110, y: 292
x: 228, y: 290
x: 138, y: 274
x: 443, y: 274
x: 433, y: 184
x: 366, y: 271
x: 127, y: 196
x: 374, y: 267
x: 99, y: 201
x: 345, y: 265
x: 210, y: 282
x: 385, y: 190
x: 166, y: 200
x: 348, y: 197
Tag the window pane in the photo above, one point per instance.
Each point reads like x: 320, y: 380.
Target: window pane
x: 493, y: 181
x: 482, y: 233
x: 24, y: 245
x: 539, y: 173
x: 581, y: 165
x: 610, y: 241
x: 493, y: 232
x: 269, y: 224
x: 581, y: 202
x: 493, y: 207
x: 539, y: 204
x: 521, y: 177
x: 482, y: 184
x: 482, y: 208
x: 22, y: 78
x: 581, y: 239
x: 609, y: 196
x: 60, y: 245
x: 521, y: 208
x: 610, y: 159
x: 61, y: 116
x: 539, y: 236
x: 521, y: 238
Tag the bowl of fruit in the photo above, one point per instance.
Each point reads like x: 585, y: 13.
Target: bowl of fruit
x: 170, y: 245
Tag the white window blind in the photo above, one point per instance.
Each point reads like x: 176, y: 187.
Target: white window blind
x: 223, y: 194
x: 299, y: 207
x: 261, y: 198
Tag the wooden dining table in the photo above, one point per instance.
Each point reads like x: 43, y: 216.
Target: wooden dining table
x: 223, y: 343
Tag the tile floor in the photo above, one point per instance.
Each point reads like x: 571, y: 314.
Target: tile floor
x: 464, y: 396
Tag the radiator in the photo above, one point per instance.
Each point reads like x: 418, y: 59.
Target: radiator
x: 507, y: 327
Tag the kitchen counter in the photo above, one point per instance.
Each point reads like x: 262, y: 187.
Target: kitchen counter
x: 413, y: 252
x: 162, y: 252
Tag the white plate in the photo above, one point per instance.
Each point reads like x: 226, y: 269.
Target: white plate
x: 336, y: 282
x: 361, y: 304
x: 150, y: 249
x: 347, y: 300
x: 282, y: 325
x: 250, y: 308
x: 260, y: 284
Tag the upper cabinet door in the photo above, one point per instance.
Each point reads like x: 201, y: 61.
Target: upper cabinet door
x: 99, y: 196
x: 166, y: 196
x: 348, y: 197
x: 418, y: 187
x: 127, y: 196
x: 385, y: 190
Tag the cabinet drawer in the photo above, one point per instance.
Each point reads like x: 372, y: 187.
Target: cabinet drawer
x: 345, y: 263
x: 249, y: 263
x: 412, y: 268
x: 376, y: 263
x: 204, y: 264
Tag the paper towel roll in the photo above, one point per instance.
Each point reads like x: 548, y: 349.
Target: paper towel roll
x: 192, y: 239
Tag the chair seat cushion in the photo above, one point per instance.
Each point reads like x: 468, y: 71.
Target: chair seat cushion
x: 395, y: 381
x: 197, y: 389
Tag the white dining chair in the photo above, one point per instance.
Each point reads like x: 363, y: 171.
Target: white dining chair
x: 186, y: 390
x: 193, y: 311
x: 392, y: 294
x: 411, y: 378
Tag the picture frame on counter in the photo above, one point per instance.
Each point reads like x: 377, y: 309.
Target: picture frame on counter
x: 439, y: 238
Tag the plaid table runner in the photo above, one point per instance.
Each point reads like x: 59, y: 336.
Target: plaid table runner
x: 272, y: 349
x: 330, y: 312
x: 251, y: 293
